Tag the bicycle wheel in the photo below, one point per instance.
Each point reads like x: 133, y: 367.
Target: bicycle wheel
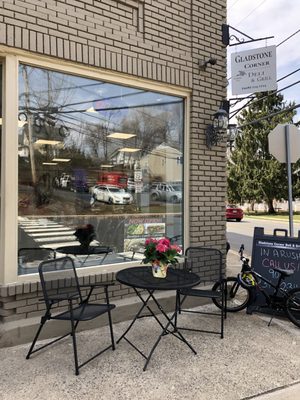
x: 293, y: 306
x: 237, y: 297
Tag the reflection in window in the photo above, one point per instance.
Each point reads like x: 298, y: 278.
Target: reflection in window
x: 1, y: 95
x: 97, y: 153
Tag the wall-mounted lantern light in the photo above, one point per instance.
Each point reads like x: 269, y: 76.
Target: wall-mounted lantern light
x: 231, y: 135
x: 218, y: 129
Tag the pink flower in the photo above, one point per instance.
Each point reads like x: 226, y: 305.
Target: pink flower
x: 150, y: 240
x: 165, y: 242
x: 160, y: 251
x: 176, y: 248
x: 161, y: 248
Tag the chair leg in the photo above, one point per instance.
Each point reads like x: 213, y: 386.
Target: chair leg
x: 223, y: 309
x: 225, y: 298
x: 222, y: 323
x: 74, y: 342
x: 181, y: 302
x: 42, y: 323
x: 110, y: 320
x: 177, y: 308
x: 178, y: 302
x: 221, y: 314
x: 111, y: 330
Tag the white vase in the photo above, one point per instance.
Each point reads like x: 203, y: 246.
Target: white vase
x: 159, y: 270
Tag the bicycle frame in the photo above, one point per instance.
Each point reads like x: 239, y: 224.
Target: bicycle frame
x: 270, y: 298
x: 245, y: 291
x: 277, y: 288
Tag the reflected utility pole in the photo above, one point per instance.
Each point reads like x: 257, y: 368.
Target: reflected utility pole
x: 29, y: 125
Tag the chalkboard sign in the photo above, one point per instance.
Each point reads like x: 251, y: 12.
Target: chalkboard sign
x: 275, y: 251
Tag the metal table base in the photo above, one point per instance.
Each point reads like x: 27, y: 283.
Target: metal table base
x: 169, y: 326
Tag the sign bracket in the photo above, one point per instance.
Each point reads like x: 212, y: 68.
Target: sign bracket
x: 227, y: 37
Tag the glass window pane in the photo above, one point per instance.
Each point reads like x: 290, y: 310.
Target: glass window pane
x: 100, y: 154
x: 1, y: 94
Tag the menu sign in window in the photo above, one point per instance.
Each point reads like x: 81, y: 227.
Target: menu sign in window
x: 137, y: 230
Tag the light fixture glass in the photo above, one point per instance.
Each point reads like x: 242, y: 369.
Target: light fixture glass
x: 49, y: 142
x: 61, y: 159
x: 21, y: 123
x: 49, y: 163
x: 129, y: 150
x: 106, y: 166
x: 232, y: 131
x: 121, y: 135
x: 231, y: 135
x: 91, y: 110
x: 220, y: 119
x: 218, y: 128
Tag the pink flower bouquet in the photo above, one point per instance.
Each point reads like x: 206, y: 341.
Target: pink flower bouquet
x: 161, y: 251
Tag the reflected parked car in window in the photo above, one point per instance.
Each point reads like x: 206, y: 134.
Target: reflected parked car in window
x: 130, y: 185
x: 234, y: 212
x: 111, y: 194
x: 166, y: 192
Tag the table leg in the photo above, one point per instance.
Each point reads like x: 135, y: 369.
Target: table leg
x: 82, y: 262
x: 104, y: 257
x: 165, y: 328
x: 135, y: 318
x: 138, y: 315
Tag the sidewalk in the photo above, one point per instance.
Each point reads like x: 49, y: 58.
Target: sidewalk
x: 253, y: 361
x: 287, y: 393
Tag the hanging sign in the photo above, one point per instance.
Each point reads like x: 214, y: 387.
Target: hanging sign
x: 254, y: 70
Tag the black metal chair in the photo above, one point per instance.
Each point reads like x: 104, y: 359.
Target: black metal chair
x: 203, y: 261
x: 60, y: 283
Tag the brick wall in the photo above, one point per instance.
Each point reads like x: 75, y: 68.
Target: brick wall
x: 23, y: 300
x: 150, y: 39
x: 159, y: 40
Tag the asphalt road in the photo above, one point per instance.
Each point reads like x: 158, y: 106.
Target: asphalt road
x: 242, y: 232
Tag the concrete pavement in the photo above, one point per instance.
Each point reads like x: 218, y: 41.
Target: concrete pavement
x: 291, y: 392
x: 253, y: 361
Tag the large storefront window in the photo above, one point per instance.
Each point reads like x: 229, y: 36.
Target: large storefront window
x: 93, y: 152
x: 0, y: 137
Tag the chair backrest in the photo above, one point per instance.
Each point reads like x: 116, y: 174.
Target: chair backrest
x: 205, y: 262
x: 30, y: 257
x: 58, y: 277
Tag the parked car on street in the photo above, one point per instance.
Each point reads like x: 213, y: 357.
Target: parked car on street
x: 65, y: 181
x: 111, y: 194
x: 130, y: 185
x: 166, y: 192
x: 234, y: 212
x: 79, y: 186
x: 71, y: 183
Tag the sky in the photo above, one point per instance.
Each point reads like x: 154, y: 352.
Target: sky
x: 264, y: 18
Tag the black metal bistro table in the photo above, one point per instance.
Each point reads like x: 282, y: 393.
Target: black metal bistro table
x: 78, y: 250
x: 142, y: 278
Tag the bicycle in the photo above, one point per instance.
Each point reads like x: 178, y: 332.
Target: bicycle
x: 242, y: 290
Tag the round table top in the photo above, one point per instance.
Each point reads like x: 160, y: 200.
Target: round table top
x: 78, y: 250
x: 141, y: 277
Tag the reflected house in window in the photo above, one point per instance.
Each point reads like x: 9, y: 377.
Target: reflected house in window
x: 164, y: 162
x: 124, y: 157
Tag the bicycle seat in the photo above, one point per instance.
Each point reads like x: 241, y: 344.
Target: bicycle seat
x: 284, y: 272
